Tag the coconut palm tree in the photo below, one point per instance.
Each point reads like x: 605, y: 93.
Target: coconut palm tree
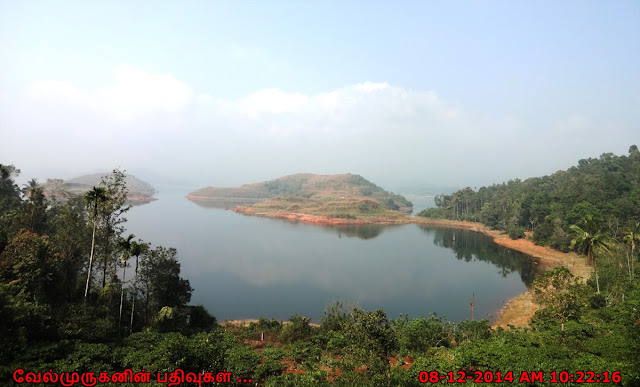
x: 587, y: 240
x: 137, y: 248
x: 631, y: 237
x: 95, y: 198
x: 126, y: 246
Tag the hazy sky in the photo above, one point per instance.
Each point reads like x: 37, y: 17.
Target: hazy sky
x: 231, y: 92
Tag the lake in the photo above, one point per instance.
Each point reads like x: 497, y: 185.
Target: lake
x: 248, y: 267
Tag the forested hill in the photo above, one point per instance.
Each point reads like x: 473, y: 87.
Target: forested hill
x: 604, y: 190
x: 139, y: 190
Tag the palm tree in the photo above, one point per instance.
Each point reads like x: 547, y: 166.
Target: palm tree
x: 137, y: 248
x: 94, y: 198
x: 36, y: 206
x: 631, y: 237
x: 126, y: 246
x: 589, y: 239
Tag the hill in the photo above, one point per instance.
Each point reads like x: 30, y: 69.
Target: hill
x: 139, y: 190
x: 345, y: 196
x: 604, y: 192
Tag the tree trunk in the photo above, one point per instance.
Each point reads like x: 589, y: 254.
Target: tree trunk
x: 146, y: 308
x: 133, y: 298
x: 124, y: 276
x: 104, y: 272
x: 93, y: 240
x: 633, y: 247
x: 595, y: 267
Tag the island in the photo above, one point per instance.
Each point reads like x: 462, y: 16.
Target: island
x: 140, y: 192
x: 310, y: 198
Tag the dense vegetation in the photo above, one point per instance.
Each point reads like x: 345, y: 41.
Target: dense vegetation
x: 606, y: 189
x: 77, y: 295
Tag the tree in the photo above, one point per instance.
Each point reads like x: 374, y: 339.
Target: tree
x: 420, y: 334
x: 372, y: 340
x: 27, y: 265
x: 136, y: 249
x: 9, y: 201
x: 161, y: 282
x: 111, y: 219
x: 631, y: 237
x: 126, y: 246
x: 588, y: 240
x: 95, y: 198
x: 70, y: 234
x: 34, y: 210
x: 557, y: 289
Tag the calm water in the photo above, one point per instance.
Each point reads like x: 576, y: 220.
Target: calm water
x: 248, y: 267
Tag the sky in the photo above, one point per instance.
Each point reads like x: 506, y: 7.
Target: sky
x: 199, y: 93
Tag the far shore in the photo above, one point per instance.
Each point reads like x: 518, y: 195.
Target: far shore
x: 518, y: 310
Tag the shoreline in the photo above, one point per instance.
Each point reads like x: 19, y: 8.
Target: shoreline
x: 315, y: 219
x: 518, y: 310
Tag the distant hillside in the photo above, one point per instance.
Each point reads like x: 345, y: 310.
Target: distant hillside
x: 344, y: 195
x: 139, y: 190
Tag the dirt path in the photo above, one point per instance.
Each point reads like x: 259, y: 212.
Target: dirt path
x: 518, y: 310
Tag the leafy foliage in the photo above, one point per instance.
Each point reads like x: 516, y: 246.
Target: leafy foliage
x: 606, y: 188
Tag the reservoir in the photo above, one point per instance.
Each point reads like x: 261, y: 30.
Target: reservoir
x: 248, y: 267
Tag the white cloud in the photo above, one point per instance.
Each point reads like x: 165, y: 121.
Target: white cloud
x: 370, y: 87
x: 135, y: 94
x: 272, y: 101
x: 368, y: 128
x: 355, y: 109
x: 57, y: 91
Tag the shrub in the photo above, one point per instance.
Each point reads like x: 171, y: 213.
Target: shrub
x: 516, y: 232
x: 298, y: 328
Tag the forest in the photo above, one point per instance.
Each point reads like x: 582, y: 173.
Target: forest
x: 78, y: 295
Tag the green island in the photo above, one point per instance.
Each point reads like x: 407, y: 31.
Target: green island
x: 65, y: 306
x: 330, y: 199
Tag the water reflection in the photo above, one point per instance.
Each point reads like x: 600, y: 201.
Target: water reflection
x: 247, y: 266
x: 366, y: 231
x: 470, y: 245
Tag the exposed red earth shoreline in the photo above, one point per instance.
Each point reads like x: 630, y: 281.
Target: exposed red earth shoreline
x: 314, y: 219
x: 518, y: 310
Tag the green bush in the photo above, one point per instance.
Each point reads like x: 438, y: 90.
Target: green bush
x: 516, y: 232
x: 298, y: 328
x: 269, y: 368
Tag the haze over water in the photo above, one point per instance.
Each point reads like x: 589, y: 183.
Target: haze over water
x: 249, y: 267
